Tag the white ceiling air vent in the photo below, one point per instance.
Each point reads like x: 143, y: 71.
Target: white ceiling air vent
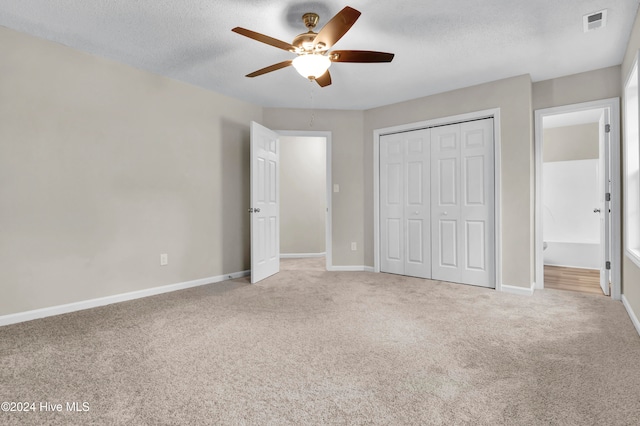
x: 595, y: 20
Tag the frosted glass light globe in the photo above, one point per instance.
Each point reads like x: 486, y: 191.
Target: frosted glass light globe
x: 311, y: 66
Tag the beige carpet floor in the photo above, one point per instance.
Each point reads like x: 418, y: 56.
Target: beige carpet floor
x: 314, y: 347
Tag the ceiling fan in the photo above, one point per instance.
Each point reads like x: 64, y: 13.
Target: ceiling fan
x: 314, y: 59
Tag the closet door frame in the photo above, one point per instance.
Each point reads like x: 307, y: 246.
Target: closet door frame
x: 489, y: 113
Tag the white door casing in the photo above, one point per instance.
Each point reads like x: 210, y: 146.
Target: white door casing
x: 405, y: 204
x: 612, y: 107
x: 462, y: 203
x: 604, y: 187
x: 265, y: 203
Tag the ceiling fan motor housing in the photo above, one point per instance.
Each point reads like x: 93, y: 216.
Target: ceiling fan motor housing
x: 304, y: 43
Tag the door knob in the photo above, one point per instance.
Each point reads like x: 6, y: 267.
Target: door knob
x: 444, y: 213
x: 596, y: 210
x: 257, y: 210
x: 416, y: 212
x: 250, y: 210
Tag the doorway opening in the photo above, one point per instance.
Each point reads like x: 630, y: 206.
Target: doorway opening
x: 264, y: 197
x: 305, y: 197
x: 577, y: 198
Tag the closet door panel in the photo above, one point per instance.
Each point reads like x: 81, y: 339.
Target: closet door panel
x: 392, y: 172
x: 475, y: 253
x: 448, y: 247
x: 417, y: 209
x: 445, y: 203
x: 476, y: 155
x: 405, y: 204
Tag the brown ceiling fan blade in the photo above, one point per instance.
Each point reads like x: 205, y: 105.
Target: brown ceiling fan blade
x: 324, y: 80
x: 337, y: 27
x: 270, y: 68
x: 265, y: 39
x: 364, y: 56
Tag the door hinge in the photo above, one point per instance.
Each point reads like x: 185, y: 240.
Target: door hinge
x: 607, y: 128
x: 607, y: 196
x: 607, y: 264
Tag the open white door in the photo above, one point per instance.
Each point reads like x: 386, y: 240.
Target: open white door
x: 265, y: 203
x: 604, y: 188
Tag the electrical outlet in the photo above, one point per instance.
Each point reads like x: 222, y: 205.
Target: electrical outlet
x: 354, y: 246
x: 164, y: 259
x: 336, y: 187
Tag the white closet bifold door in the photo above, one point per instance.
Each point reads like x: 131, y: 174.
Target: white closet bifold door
x: 405, y: 204
x: 462, y: 202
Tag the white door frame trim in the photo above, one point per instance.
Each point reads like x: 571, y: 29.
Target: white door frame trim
x: 613, y: 104
x: 488, y: 113
x: 327, y: 135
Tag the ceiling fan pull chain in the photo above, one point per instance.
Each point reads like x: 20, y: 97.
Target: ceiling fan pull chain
x: 313, y: 114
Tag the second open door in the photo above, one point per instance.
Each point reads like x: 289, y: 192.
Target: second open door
x: 265, y: 202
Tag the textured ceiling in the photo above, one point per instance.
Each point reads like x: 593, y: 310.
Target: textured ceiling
x: 440, y: 45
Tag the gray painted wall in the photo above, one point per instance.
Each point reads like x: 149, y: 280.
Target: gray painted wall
x: 572, y: 89
x: 103, y: 167
x: 579, y: 142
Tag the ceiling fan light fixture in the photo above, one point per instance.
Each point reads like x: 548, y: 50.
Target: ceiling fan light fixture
x: 311, y: 66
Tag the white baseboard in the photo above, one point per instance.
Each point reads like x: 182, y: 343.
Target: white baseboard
x: 301, y: 255
x: 108, y: 300
x: 571, y: 266
x: 351, y: 268
x: 523, y: 291
x: 369, y: 269
x: 632, y: 315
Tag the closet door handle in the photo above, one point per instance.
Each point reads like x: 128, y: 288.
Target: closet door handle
x: 444, y: 213
x: 596, y: 210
